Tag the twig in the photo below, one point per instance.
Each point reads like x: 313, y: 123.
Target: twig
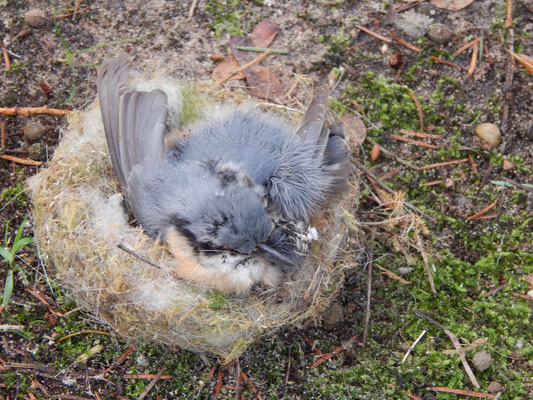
x: 466, y: 46
x: 391, y: 154
x: 369, y: 284
x: 443, y: 164
x: 75, y: 12
x: 83, y: 331
x: 311, y: 344
x: 456, y: 344
x: 438, y: 182
x: 509, y: 14
x: 418, y: 109
x: 404, y: 7
x: 390, y: 174
x: 440, y: 60
x: 388, y: 189
x: 339, y: 349
x: 252, y: 386
x: 474, y: 168
x: 151, y: 385
x: 23, y: 161
x: 462, y: 392
x: 488, y: 216
x: 238, y: 379
x: 242, y: 68
x: 473, y: 60
x: 372, y: 33
x: 138, y: 256
x: 77, y: 6
x: 419, y: 134
x: 41, y: 298
x: 192, y: 8
x: 262, y: 49
x: 27, y: 111
x: 122, y: 358
x: 147, y: 376
x: 522, y: 296
x: 218, y: 386
x: 413, y: 346
x: 7, y: 61
x: 415, y: 142
x: 2, y: 134
x: 392, y: 275
x: 487, y: 53
x: 509, y: 68
x: 403, y: 42
x: 480, y: 213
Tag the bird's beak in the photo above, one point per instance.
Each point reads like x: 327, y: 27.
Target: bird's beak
x: 269, y: 254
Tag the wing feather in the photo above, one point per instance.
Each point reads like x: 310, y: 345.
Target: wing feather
x: 134, y: 124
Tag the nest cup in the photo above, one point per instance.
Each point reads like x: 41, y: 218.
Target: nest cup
x: 82, y: 232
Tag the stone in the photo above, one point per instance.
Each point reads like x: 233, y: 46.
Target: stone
x: 439, y: 33
x: 36, y: 17
x: 481, y: 360
x: 489, y: 134
x: 494, y: 387
x: 33, y: 131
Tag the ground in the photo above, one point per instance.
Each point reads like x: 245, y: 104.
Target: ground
x: 482, y: 267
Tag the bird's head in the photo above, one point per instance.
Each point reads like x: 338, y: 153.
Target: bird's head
x: 231, y: 215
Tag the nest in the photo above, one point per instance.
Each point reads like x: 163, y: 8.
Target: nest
x: 125, y: 278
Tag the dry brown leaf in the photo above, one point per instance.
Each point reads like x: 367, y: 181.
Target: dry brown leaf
x: 355, y: 129
x: 264, y: 33
x: 451, y: 5
x: 263, y: 83
x: 526, y: 61
x: 225, y: 68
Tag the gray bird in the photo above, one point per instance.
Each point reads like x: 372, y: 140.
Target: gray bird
x: 233, y: 199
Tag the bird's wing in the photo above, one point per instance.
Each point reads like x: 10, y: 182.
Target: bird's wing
x: 311, y: 128
x: 337, y: 164
x: 134, y: 123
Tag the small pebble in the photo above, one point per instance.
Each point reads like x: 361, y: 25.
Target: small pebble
x: 530, y: 293
x: 507, y: 165
x: 333, y: 314
x: 439, y: 33
x: 33, y: 131
x: 494, y: 387
x: 35, y: 17
x: 489, y: 134
x: 481, y: 360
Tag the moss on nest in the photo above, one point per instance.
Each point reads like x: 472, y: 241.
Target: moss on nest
x: 79, y: 221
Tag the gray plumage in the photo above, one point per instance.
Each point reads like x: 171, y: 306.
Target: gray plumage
x: 235, y: 183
